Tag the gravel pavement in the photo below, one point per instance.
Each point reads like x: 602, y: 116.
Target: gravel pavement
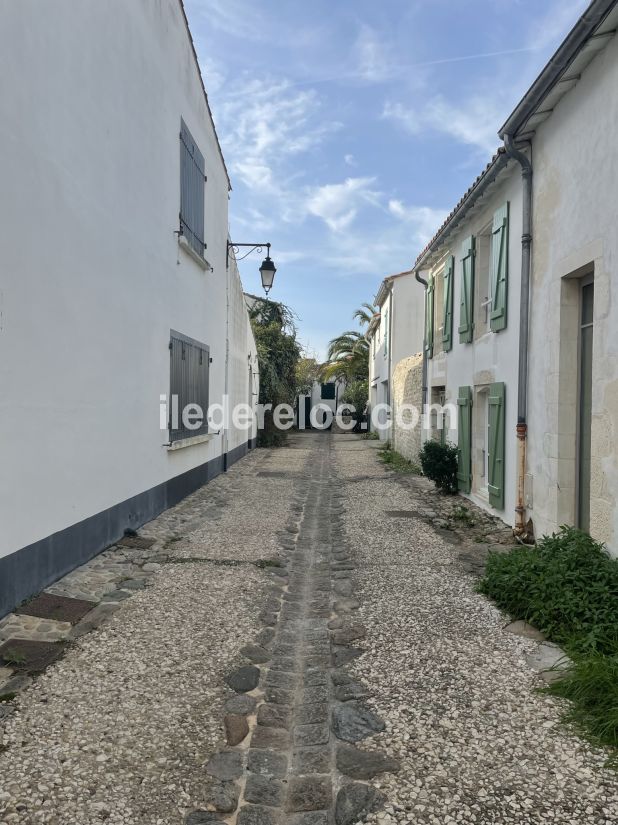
x: 382, y: 687
x: 475, y: 741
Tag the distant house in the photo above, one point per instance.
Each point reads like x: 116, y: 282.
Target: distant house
x: 395, y: 336
x: 114, y: 289
x: 323, y: 396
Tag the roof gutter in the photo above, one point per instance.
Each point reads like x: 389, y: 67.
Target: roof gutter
x: 521, y: 530
x: 585, y: 27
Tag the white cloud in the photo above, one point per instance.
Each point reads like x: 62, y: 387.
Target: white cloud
x: 350, y: 160
x: 373, y: 62
x: 424, y: 219
x: 337, y: 204
x: 474, y: 122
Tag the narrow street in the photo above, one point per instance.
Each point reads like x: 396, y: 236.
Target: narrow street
x: 305, y: 648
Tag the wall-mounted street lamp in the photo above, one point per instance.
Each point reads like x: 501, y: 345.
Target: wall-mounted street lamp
x: 268, y: 268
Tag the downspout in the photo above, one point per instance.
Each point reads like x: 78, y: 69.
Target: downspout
x: 521, y: 530
x: 425, y: 285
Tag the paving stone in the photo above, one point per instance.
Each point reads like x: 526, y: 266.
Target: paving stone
x: 305, y: 735
x: 241, y: 704
x: 315, y: 677
x: 275, y: 738
x: 280, y: 679
x: 342, y: 587
x: 263, y: 790
x: 351, y: 690
x: 244, y: 678
x: 255, y: 653
x: 278, y: 696
x: 309, y: 793
x: 359, y: 764
x: 225, y: 765
x: 311, y: 714
x: 527, y: 631
x: 343, y: 655
x: 346, y: 605
x: 256, y: 815
x: 267, y: 763
x: 274, y: 716
x: 309, y: 818
x: 348, y: 634
x: 202, y: 818
x: 282, y: 663
x: 269, y: 619
x: 265, y: 636
x: 355, y: 801
x: 223, y: 796
x: 352, y: 722
x: 316, y: 693
x: 311, y: 760
x: 340, y: 677
x: 236, y: 728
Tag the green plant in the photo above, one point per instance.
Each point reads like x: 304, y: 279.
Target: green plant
x: 397, y: 462
x: 370, y: 436
x: 356, y: 394
x: 567, y: 586
x: 439, y: 463
x: 462, y: 514
x: 13, y: 657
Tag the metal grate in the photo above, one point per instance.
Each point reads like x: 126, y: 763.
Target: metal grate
x: 58, y: 608
x: 137, y: 542
x: 189, y: 378
x: 31, y: 656
x: 192, y: 181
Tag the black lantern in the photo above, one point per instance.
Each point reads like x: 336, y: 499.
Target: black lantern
x: 267, y: 271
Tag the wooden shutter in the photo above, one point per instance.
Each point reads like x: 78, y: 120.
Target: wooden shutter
x: 497, y: 394
x: 192, y: 180
x: 499, y: 268
x: 464, y: 439
x: 429, y: 295
x: 447, y: 335
x: 466, y: 309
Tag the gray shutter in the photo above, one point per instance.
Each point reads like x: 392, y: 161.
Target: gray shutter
x: 466, y: 307
x: 499, y: 268
x: 192, y: 177
x: 189, y: 381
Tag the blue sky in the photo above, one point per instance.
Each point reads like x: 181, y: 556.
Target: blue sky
x: 351, y: 127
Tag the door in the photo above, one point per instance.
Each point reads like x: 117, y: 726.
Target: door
x: 584, y: 424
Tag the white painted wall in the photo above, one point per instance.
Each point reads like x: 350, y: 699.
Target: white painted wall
x: 379, y: 365
x: 492, y: 356
x: 92, y: 277
x: 575, y: 157
x: 407, y: 323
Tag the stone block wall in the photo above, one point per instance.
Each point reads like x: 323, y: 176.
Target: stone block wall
x: 407, y: 388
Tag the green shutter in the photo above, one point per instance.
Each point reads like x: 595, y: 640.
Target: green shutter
x: 466, y: 308
x: 499, y: 268
x: 429, y: 317
x: 447, y: 336
x: 495, y: 440
x: 464, y: 439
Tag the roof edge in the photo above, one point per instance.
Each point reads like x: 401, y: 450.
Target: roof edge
x: 564, y: 55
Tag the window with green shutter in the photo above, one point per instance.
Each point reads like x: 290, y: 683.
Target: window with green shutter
x: 499, y: 268
x: 464, y: 439
x: 466, y: 306
x: 447, y: 335
x: 429, y: 292
x: 495, y: 441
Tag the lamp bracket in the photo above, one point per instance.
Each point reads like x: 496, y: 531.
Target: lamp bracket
x: 235, y: 248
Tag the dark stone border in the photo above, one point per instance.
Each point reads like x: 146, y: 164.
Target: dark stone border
x: 29, y: 570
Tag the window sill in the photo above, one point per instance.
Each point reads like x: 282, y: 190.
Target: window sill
x: 184, y: 244
x: 189, y: 442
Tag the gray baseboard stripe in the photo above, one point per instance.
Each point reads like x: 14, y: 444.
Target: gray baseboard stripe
x: 31, y: 569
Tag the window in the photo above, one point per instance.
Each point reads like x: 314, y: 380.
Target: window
x: 189, y: 374
x: 191, y: 191
x: 328, y: 392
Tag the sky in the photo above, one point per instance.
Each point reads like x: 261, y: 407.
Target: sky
x: 350, y: 129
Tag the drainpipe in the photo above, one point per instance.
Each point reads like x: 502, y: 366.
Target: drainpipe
x: 520, y: 528
x: 425, y: 285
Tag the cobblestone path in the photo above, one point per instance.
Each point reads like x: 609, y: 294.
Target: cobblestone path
x: 293, y: 770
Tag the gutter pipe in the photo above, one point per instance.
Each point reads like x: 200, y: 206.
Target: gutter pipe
x: 425, y: 284
x: 520, y: 528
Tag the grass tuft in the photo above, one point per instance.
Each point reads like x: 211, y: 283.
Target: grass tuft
x: 567, y: 587
x: 397, y: 462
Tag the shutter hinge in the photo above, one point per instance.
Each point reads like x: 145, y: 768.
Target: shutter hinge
x: 169, y: 346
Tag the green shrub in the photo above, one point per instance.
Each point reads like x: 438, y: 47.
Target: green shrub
x: 567, y: 586
x: 439, y: 463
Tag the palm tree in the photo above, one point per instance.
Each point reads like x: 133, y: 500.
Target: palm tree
x: 364, y: 314
x: 348, y: 357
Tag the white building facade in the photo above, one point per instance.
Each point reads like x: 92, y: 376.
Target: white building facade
x: 114, y: 287
x: 569, y: 118
x: 472, y: 270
